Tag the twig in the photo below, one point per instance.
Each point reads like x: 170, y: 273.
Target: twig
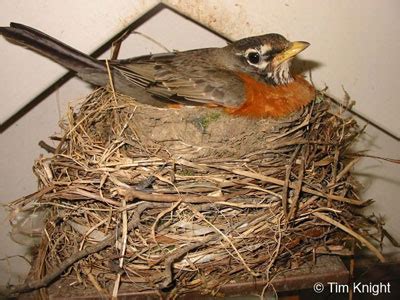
x: 132, y: 194
x: 47, y: 147
x: 159, y: 216
x: 296, y: 196
x: 123, y: 247
x: 333, y: 176
x: 177, y: 254
x: 392, y: 160
x: 347, y: 168
x: 352, y: 233
x: 110, y: 80
x: 287, y: 179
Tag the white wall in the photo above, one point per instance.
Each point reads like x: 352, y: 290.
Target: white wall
x: 355, y: 42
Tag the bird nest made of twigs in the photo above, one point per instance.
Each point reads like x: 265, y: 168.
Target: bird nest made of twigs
x: 189, y: 199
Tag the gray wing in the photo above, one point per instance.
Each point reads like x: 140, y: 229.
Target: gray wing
x: 184, y: 77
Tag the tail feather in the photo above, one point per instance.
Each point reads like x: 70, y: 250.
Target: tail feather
x: 50, y: 47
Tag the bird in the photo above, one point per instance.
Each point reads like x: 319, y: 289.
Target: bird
x: 249, y: 77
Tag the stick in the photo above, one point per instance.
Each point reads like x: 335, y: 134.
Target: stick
x: 287, y: 180
x: 352, y: 233
x: 177, y: 254
x: 135, y: 194
x: 296, y: 197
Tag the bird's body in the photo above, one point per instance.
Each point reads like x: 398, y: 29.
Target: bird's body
x: 249, y: 77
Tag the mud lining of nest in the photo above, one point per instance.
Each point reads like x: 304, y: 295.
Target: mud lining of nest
x: 140, y: 198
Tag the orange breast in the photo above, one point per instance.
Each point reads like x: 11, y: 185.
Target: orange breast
x: 264, y: 100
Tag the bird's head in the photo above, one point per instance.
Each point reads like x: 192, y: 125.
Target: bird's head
x: 268, y: 56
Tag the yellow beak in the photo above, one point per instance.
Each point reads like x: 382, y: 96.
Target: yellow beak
x: 293, y: 49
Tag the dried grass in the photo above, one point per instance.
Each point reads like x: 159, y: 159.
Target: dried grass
x: 129, y: 209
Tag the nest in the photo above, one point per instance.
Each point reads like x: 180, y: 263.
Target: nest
x: 140, y: 198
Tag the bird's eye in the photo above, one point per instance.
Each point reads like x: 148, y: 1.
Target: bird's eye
x: 253, y: 57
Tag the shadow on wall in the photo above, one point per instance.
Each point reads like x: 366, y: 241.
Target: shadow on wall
x: 301, y: 66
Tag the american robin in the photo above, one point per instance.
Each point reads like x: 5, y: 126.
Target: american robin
x: 249, y: 77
